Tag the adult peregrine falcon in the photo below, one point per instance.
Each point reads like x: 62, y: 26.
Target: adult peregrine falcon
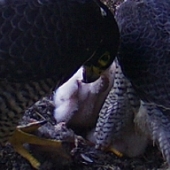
x: 145, y: 60
x: 43, y: 42
x: 144, y: 57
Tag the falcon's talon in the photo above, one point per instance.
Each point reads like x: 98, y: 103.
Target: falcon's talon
x: 22, y: 136
x: 30, y: 127
x: 24, y: 153
x: 115, y: 151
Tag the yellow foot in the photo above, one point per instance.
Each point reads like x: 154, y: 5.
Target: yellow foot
x: 116, y: 152
x: 21, y: 136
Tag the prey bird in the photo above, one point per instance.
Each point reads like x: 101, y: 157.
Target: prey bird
x: 42, y: 43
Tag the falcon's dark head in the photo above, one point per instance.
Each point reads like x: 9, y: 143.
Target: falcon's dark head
x: 104, y: 55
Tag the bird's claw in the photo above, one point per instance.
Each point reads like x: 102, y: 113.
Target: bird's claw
x: 21, y: 136
x: 115, y: 151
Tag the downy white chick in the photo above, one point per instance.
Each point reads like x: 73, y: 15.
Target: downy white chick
x: 78, y: 103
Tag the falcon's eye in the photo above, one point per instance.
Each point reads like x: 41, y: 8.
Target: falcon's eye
x: 104, y: 60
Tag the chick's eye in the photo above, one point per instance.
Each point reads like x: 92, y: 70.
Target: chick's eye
x: 104, y: 59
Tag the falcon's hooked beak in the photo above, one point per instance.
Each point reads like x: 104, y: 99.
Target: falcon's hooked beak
x: 93, y: 68
x: 91, y: 73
